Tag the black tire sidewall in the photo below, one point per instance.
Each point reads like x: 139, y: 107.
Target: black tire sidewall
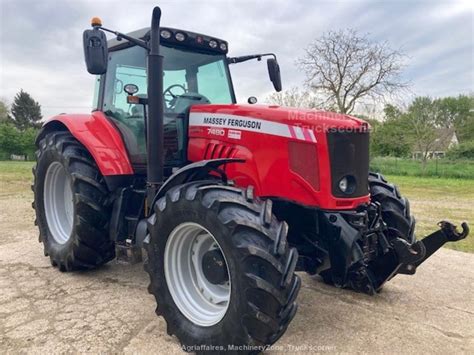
x: 50, y: 155
x: 230, y: 324
x: 400, y: 206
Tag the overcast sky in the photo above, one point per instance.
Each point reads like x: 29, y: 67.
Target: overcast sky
x: 41, y: 40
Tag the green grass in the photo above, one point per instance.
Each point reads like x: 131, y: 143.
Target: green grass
x: 15, y: 177
x: 432, y: 199
x: 459, y: 169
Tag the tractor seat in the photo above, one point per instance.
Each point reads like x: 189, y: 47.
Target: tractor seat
x: 136, y: 148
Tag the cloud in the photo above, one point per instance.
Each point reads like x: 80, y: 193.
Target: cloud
x: 41, y: 41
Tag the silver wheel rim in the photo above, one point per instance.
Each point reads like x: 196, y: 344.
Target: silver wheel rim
x: 58, y: 203
x: 200, y: 301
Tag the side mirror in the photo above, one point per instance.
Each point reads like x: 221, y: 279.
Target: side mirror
x: 274, y: 73
x: 95, y: 51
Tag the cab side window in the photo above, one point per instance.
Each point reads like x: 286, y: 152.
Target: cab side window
x: 128, y: 66
x: 124, y: 75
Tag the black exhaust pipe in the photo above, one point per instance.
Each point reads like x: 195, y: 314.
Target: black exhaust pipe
x: 155, y: 155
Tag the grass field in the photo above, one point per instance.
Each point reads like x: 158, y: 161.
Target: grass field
x: 432, y: 199
x: 458, y: 169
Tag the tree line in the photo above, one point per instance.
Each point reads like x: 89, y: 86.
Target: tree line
x: 19, y: 124
x: 421, y: 125
x: 347, y: 72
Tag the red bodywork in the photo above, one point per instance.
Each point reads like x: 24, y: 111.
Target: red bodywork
x: 285, y: 149
x: 267, y: 150
x: 101, y: 138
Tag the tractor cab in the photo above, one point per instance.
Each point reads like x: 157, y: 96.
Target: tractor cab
x: 195, y: 71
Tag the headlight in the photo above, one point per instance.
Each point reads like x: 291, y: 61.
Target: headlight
x: 347, y: 184
x: 223, y: 47
x: 343, y: 184
x: 213, y: 44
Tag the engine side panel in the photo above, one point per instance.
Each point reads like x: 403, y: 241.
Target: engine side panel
x: 101, y: 138
x: 231, y: 131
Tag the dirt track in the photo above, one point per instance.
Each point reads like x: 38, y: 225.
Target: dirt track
x: 109, y: 310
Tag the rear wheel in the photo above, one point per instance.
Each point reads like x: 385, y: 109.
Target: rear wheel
x: 220, y: 268
x: 71, y: 203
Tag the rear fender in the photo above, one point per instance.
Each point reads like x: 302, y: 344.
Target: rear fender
x: 100, y: 137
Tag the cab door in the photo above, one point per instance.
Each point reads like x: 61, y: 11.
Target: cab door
x: 128, y: 66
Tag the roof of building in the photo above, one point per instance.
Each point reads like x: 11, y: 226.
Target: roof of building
x: 444, y: 140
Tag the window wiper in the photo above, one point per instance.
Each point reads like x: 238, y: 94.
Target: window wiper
x: 244, y: 58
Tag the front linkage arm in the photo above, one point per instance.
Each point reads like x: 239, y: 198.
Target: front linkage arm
x: 404, y: 258
x: 413, y: 256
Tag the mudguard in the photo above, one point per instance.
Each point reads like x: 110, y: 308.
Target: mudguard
x: 100, y: 136
x: 196, y: 171
x: 192, y: 172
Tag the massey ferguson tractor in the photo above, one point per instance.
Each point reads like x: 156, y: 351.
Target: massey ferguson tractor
x: 228, y: 200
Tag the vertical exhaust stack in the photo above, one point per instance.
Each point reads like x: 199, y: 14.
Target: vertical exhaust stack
x: 155, y: 155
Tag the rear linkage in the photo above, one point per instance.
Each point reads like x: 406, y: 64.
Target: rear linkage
x: 374, y: 259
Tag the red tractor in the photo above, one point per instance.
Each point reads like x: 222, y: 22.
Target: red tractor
x: 228, y: 200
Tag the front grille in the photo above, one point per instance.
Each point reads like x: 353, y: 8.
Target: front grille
x: 349, y: 155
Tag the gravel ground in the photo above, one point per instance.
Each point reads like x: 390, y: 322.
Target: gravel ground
x: 110, y: 311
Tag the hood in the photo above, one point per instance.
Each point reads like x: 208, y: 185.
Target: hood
x: 313, y: 119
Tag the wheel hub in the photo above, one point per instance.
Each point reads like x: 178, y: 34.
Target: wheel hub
x: 214, y: 267
x: 196, y: 274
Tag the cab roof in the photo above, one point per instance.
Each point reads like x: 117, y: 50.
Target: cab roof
x: 168, y: 36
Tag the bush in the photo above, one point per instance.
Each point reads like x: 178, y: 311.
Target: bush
x: 446, y: 168
x: 14, y: 141
x: 462, y: 151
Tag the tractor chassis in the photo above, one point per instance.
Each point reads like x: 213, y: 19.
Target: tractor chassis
x: 350, y: 249
x: 353, y: 249
x: 367, y: 274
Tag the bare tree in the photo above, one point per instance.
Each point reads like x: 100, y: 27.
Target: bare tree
x: 293, y: 97
x: 421, y: 127
x: 347, y: 67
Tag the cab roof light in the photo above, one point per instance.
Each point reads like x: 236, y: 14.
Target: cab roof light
x: 180, y: 36
x: 96, y: 22
x: 165, y: 34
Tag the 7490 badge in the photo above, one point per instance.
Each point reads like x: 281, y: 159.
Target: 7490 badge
x: 216, y: 131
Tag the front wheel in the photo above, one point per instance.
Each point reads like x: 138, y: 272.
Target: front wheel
x: 395, y: 213
x: 220, y: 268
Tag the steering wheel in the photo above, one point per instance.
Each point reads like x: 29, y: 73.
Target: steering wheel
x: 170, y: 97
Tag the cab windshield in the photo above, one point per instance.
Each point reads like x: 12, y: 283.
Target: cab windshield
x: 187, y: 76
x: 190, y: 78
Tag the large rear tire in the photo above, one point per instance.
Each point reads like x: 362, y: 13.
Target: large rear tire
x: 249, y: 297
x: 71, y: 204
